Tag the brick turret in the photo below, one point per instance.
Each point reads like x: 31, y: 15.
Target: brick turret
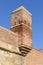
x: 21, y: 23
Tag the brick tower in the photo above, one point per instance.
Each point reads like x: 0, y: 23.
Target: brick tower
x: 21, y: 23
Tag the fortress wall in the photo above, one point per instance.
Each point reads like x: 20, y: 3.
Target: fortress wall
x: 8, y: 36
x: 34, y: 57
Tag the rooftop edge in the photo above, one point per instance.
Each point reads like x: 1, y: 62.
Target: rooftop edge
x: 19, y: 8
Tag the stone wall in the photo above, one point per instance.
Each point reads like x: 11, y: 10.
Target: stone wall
x: 9, y: 58
x: 34, y: 57
x: 9, y: 44
x: 8, y: 36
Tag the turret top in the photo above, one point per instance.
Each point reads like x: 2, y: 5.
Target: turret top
x: 21, y: 7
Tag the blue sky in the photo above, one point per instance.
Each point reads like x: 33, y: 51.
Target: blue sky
x: 35, y: 7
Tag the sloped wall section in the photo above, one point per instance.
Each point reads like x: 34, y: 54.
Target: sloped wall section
x: 8, y: 36
x: 8, y: 45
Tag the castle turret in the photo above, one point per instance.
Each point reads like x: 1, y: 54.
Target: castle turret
x: 21, y: 23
